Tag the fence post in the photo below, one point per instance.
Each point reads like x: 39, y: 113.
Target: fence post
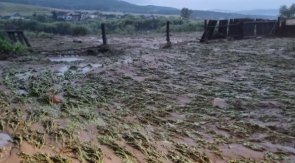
x: 206, y: 32
x: 242, y: 29
x: 19, y: 35
x: 25, y: 39
x: 103, y: 33
x: 168, y: 32
x: 279, y: 26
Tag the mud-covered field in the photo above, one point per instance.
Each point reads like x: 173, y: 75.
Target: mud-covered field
x: 231, y: 101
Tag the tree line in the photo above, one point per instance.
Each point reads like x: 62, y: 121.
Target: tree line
x: 287, y: 12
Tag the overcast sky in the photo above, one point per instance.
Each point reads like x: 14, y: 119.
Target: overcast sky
x: 233, y: 5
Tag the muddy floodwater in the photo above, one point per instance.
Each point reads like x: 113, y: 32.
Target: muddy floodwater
x: 65, y: 59
x: 225, y: 102
x: 4, y: 139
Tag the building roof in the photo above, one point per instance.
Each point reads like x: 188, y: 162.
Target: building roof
x: 15, y: 14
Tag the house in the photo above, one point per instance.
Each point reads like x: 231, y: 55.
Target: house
x: 290, y: 21
x: 84, y: 16
x: 94, y: 15
x: 79, y: 16
x: 15, y: 16
x: 76, y: 16
x: 73, y: 16
x: 61, y: 15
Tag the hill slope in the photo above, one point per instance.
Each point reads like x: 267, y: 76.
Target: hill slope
x: 271, y: 12
x: 6, y: 9
x: 122, y: 6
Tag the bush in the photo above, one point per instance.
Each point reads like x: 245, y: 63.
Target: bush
x: 130, y: 29
x: 43, y: 34
x: 63, y: 28
x: 7, y: 47
x: 2, y: 34
x: 80, y: 31
x: 127, y: 25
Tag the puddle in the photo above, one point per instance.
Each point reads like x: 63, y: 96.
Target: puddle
x: 4, y: 139
x: 96, y: 65
x: 68, y: 59
x: 60, y: 69
x: 238, y: 150
x: 63, y: 69
x: 21, y: 92
x: 221, y: 103
x: 127, y: 60
x: 183, y: 99
x: 275, y: 147
x: 23, y: 76
x: 89, y: 67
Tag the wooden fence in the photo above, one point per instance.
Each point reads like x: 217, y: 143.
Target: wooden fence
x: 238, y: 28
x: 287, y: 28
x: 20, y: 36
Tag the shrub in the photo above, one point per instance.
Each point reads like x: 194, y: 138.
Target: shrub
x: 41, y: 18
x: 130, y: 29
x: 7, y: 47
x: 2, y: 34
x: 63, y: 28
x: 48, y: 28
x: 127, y: 25
x: 80, y: 31
x: 43, y: 34
x: 18, y: 48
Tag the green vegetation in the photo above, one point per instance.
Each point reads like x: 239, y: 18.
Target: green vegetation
x: 129, y: 25
x: 287, y: 12
x: 80, y: 30
x: 186, y: 13
x: 7, y: 47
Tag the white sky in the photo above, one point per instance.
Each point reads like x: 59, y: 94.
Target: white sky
x: 234, y: 5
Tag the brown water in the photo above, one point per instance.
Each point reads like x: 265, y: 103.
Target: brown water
x: 4, y: 139
x: 68, y: 59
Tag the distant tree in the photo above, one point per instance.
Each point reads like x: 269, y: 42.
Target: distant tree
x: 41, y: 18
x: 35, y: 14
x: 54, y: 15
x: 286, y: 12
x: 186, y: 13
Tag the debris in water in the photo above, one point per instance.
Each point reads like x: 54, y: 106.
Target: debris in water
x: 56, y: 100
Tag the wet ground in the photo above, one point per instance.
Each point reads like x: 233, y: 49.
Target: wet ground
x: 231, y: 101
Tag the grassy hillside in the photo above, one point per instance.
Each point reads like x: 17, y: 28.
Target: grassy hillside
x: 272, y: 12
x: 7, y: 9
x: 123, y: 7
x: 103, y: 5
